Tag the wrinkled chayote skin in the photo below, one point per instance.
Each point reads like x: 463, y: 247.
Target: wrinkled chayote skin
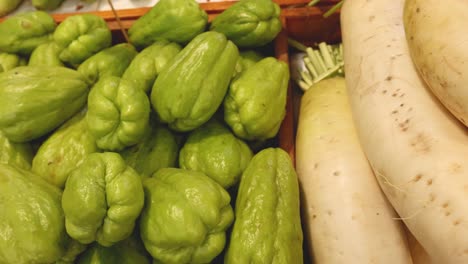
x: 248, y: 58
x: 147, y: 65
x: 190, y: 89
x: 35, y: 100
x: 31, y: 221
x: 128, y: 251
x: 16, y: 154
x: 22, y: 33
x: 111, y: 61
x: 46, y: 4
x: 82, y: 36
x: 118, y: 113
x: 46, y: 54
x: 102, y: 199
x: 64, y: 151
x: 249, y: 109
x: 158, y: 149
x: 185, y: 217
x: 215, y: 151
x: 9, y: 61
x: 173, y: 20
x: 267, y: 228
x: 8, y: 6
x: 249, y: 23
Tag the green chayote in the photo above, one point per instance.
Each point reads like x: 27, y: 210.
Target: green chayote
x: 22, y: 33
x: 118, y: 113
x: 173, y: 20
x: 191, y: 88
x: 267, y: 228
x: 46, y: 54
x: 82, y: 36
x: 111, y: 61
x: 7, y: 6
x: 64, y: 150
x: 157, y: 149
x: 31, y: 221
x: 35, y: 100
x: 248, y: 58
x: 128, y: 251
x: 255, y: 104
x: 102, y: 199
x: 249, y: 23
x: 9, y: 61
x: 147, y: 65
x: 185, y: 217
x: 17, y: 154
x: 46, y: 4
x: 215, y: 151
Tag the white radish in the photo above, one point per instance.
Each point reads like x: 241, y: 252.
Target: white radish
x: 347, y: 217
x: 418, y: 150
x: 437, y: 35
x: 418, y: 253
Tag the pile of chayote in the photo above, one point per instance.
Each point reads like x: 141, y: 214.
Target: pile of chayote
x: 160, y: 150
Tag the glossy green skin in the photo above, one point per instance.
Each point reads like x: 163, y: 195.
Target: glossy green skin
x: 267, y: 228
x: 17, y: 154
x: 31, y: 221
x: 147, y: 65
x: 35, y: 100
x: 46, y: 4
x: 173, y: 20
x: 190, y: 89
x: 185, y: 217
x: 111, y: 61
x: 22, y: 33
x: 9, y: 61
x: 128, y: 251
x: 102, y: 199
x: 82, y: 36
x: 158, y: 149
x: 46, y: 54
x: 64, y: 151
x: 215, y: 151
x: 249, y: 109
x: 7, y: 6
x: 249, y: 23
x: 118, y: 114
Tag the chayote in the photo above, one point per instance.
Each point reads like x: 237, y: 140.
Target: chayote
x: 118, y: 113
x: 255, y: 104
x: 173, y: 20
x: 267, y: 228
x: 22, y: 33
x: 9, y: 61
x: 147, y: 65
x: 46, y: 54
x: 8, y: 6
x: 35, y: 100
x: 215, y: 151
x: 102, y: 199
x: 157, y: 149
x: 191, y: 88
x: 46, y: 4
x: 31, y: 220
x: 248, y: 58
x: 17, y: 154
x: 249, y: 23
x: 185, y: 217
x: 64, y: 151
x: 82, y: 36
x: 128, y: 251
x: 111, y: 61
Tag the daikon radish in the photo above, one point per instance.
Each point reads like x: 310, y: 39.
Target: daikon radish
x: 418, y: 150
x: 437, y: 34
x: 348, y: 218
x: 418, y: 253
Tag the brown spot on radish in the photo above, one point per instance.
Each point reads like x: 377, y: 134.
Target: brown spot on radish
x: 394, y: 111
x: 456, y: 222
x: 336, y: 173
x: 377, y: 214
x: 429, y: 182
x: 394, y: 95
x: 404, y: 129
x: 384, y: 91
x: 417, y: 10
x: 389, y: 78
x: 417, y: 177
x: 421, y: 143
x: 329, y: 212
x: 401, y: 95
x: 314, y: 216
x: 401, y: 105
x: 445, y: 205
x: 353, y: 217
x: 455, y: 168
x: 315, y: 165
x: 447, y: 213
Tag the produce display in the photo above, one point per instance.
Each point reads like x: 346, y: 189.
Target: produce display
x: 149, y: 151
